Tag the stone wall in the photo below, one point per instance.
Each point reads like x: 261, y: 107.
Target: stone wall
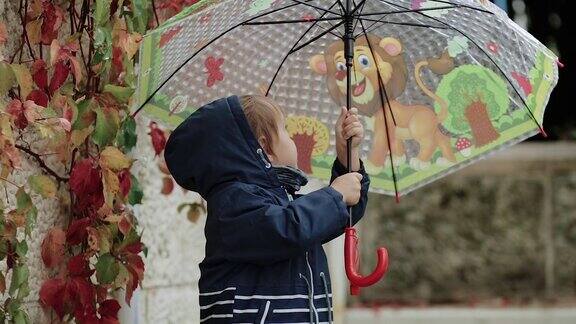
x: 503, y: 229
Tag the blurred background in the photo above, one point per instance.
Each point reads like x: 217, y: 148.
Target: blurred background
x: 495, y: 243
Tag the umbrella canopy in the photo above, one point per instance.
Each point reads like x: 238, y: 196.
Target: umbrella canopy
x: 439, y: 84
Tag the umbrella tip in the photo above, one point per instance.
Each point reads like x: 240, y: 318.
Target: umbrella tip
x: 397, y: 198
x: 560, y: 64
x: 543, y: 132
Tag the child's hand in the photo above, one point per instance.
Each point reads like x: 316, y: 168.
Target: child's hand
x: 348, y: 126
x: 349, y: 186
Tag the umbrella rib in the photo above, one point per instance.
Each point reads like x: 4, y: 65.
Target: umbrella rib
x: 489, y: 57
x: 322, y: 12
x: 290, y: 21
x: 342, y: 8
x: 357, y: 8
x: 288, y: 54
x: 339, y: 35
x: 400, y: 24
x: 205, y: 46
x: 315, y: 38
x: 369, y: 28
x: 406, y: 10
x: 382, y: 89
x: 318, y: 8
x: 465, y: 6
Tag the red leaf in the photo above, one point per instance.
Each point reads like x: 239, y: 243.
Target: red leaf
x: 52, y: 295
x: 16, y: 109
x: 109, y: 308
x: 134, y: 262
x: 125, y: 182
x: 39, y: 97
x: 124, y: 225
x: 40, y: 74
x: 52, y: 22
x: 86, y: 184
x: 167, y: 36
x: 53, y: 247
x: 86, y: 293
x: 77, y: 233
x: 158, y: 138
x: 61, y: 71
x: 117, y: 56
x: 134, y: 247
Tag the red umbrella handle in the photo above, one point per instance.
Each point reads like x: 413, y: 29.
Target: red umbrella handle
x: 351, y: 258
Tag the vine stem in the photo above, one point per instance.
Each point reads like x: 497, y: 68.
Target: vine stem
x: 155, y: 13
x: 25, y: 32
x: 41, y: 162
x: 10, y: 182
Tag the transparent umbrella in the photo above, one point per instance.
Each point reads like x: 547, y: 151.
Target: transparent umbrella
x: 439, y: 84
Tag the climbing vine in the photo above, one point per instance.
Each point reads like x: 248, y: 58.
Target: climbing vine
x: 65, y: 95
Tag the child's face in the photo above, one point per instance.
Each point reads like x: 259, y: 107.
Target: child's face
x: 283, y: 148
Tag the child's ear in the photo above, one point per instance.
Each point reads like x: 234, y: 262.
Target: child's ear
x: 267, y: 147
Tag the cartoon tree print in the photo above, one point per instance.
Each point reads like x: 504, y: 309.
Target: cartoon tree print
x: 311, y: 137
x: 476, y: 96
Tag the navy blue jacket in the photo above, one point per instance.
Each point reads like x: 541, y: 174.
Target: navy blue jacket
x: 264, y: 259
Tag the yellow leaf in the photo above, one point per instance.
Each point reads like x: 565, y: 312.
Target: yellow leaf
x: 79, y: 136
x: 43, y: 185
x: 54, y: 50
x: 131, y: 44
x: 46, y: 131
x: 17, y: 218
x: 111, y: 186
x: 112, y: 158
x: 24, y: 79
x: 34, y: 29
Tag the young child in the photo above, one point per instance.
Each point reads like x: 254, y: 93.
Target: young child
x: 264, y: 258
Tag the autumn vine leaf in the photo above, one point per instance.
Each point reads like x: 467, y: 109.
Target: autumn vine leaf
x: 53, y: 247
x: 43, y: 185
x: 74, y: 102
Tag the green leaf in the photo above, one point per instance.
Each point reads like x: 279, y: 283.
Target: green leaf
x: 122, y: 94
x: 7, y: 80
x: 107, y: 123
x: 102, y: 12
x: 135, y: 195
x: 21, y: 248
x: 103, y: 47
x: 24, y: 205
x: 106, y: 269
x: 19, y: 276
x: 85, y: 115
x: 24, y: 78
x: 127, y: 135
x: 140, y: 15
x: 20, y: 317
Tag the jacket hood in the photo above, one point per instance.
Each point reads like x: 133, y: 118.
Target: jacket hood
x: 215, y: 145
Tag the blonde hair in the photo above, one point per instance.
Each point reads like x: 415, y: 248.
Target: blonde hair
x: 261, y: 113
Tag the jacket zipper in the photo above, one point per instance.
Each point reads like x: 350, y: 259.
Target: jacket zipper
x: 312, y: 287
x: 290, y: 198
x: 265, y: 312
x: 327, y: 298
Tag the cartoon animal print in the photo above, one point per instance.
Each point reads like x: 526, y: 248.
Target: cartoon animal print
x: 417, y: 122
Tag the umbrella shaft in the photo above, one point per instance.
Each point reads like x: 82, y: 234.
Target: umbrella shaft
x: 349, y: 55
